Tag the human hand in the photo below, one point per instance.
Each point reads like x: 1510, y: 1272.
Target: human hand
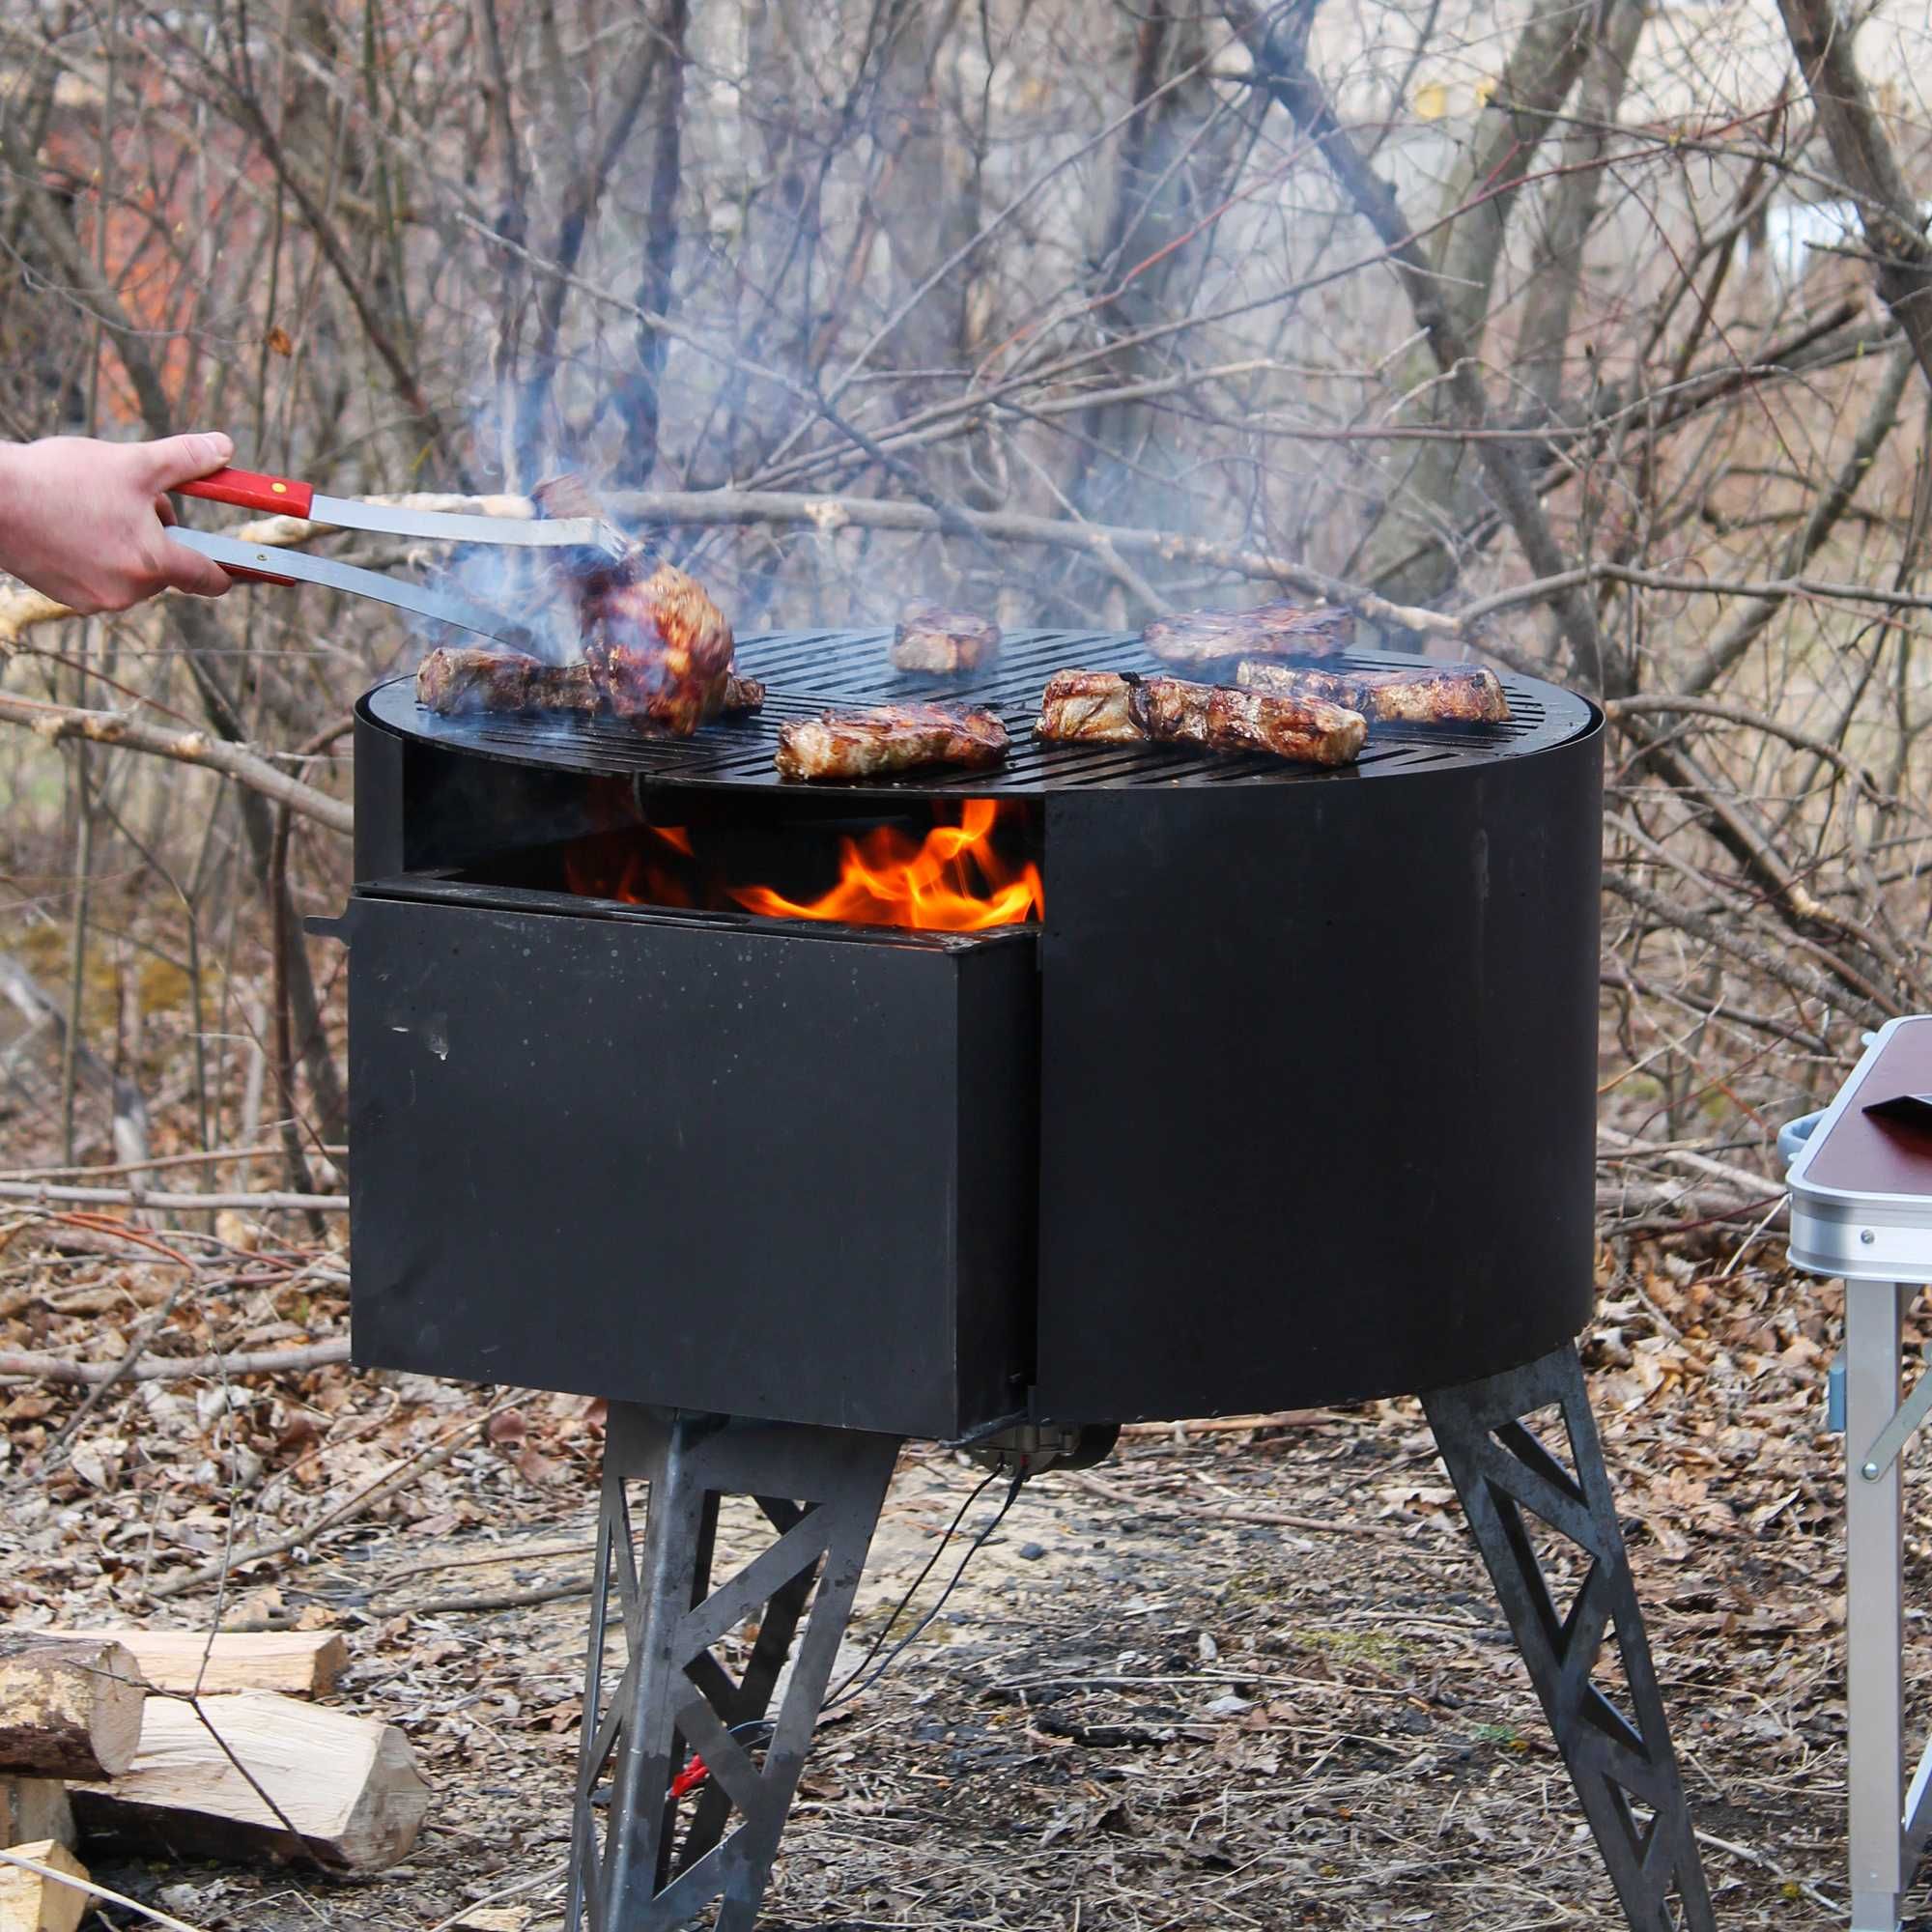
x: 84, y: 521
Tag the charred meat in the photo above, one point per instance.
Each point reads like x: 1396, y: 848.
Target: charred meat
x: 1108, y: 708
x: 1094, y: 707
x: 1442, y: 694
x: 453, y: 679
x: 933, y: 638
x: 1309, y: 730
x: 1280, y: 630
x: 742, y: 693
x: 883, y: 739
x: 659, y: 650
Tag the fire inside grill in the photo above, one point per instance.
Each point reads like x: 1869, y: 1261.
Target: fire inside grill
x: 967, y: 871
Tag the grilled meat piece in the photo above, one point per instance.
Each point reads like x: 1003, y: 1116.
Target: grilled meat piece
x: 1092, y: 707
x: 882, y: 739
x: 455, y: 678
x: 1442, y: 694
x: 742, y: 693
x: 1282, y: 630
x: 1307, y: 730
x: 933, y: 638
x: 658, y: 647
x: 659, y: 650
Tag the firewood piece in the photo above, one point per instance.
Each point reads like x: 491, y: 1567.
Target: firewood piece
x: 1089, y: 707
x: 884, y: 739
x: 348, y: 1786
x: 32, y: 1903
x: 35, y: 1807
x: 303, y: 1664
x: 1305, y: 729
x: 1431, y: 694
x: 67, y: 1710
x: 933, y: 638
x: 1281, y: 628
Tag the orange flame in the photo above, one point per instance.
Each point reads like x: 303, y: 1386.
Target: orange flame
x: 954, y: 880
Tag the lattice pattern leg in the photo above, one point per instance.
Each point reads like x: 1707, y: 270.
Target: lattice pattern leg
x: 661, y: 1857
x: 1622, y: 1761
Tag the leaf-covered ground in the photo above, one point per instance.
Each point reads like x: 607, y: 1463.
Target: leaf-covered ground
x: 1138, y: 1709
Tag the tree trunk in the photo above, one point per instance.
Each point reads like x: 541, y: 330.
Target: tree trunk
x: 1409, y: 556
x: 1889, y: 210
x: 1556, y: 268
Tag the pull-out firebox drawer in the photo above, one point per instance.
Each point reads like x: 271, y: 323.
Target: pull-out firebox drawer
x: 770, y: 1171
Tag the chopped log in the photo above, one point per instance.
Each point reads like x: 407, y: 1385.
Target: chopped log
x: 35, y: 1807
x: 348, y: 1785
x: 301, y: 1664
x: 67, y: 1710
x: 30, y: 1902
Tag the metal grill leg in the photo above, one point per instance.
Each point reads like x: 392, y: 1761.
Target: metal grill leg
x: 660, y: 1859
x: 1502, y: 1471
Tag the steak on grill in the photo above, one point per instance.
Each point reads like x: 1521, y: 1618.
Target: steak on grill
x: 453, y: 679
x: 879, y: 739
x: 1281, y: 628
x: 933, y: 638
x: 458, y: 678
x: 659, y: 650
x: 1309, y: 730
x: 1442, y: 694
x: 1106, y: 707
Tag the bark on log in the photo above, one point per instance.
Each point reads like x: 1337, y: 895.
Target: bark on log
x: 67, y: 1710
x: 299, y: 1663
x: 348, y: 1785
x: 33, y: 1901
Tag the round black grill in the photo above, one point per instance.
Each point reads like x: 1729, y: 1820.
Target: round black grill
x: 806, y: 672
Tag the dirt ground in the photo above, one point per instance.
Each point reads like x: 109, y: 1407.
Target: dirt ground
x: 1137, y: 1713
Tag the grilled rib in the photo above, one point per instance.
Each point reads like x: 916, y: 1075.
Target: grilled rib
x: 886, y: 738
x: 1103, y: 707
x: 933, y: 638
x: 455, y: 679
x: 1269, y: 629
x: 1309, y: 730
x: 1090, y: 707
x: 1442, y: 694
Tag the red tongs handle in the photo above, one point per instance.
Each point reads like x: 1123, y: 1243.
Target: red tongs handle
x: 252, y: 489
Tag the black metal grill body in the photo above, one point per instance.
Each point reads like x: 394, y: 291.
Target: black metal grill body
x: 1290, y: 1099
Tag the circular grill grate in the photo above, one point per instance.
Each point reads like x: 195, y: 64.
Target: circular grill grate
x: 806, y: 672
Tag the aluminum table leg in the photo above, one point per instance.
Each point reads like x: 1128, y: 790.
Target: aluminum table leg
x: 1620, y: 1760
x: 665, y: 1851
x: 1874, y: 1608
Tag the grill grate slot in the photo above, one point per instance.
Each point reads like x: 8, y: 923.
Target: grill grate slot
x: 807, y: 671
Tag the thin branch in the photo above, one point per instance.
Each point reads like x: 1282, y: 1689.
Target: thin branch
x: 175, y: 1367
x: 55, y: 722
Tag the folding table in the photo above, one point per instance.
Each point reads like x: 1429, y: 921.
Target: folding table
x: 1862, y: 1209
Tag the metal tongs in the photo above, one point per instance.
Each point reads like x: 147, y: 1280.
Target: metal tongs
x: 283, y: 495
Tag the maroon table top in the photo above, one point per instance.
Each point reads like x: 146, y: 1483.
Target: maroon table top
x: 1863, y: 1155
